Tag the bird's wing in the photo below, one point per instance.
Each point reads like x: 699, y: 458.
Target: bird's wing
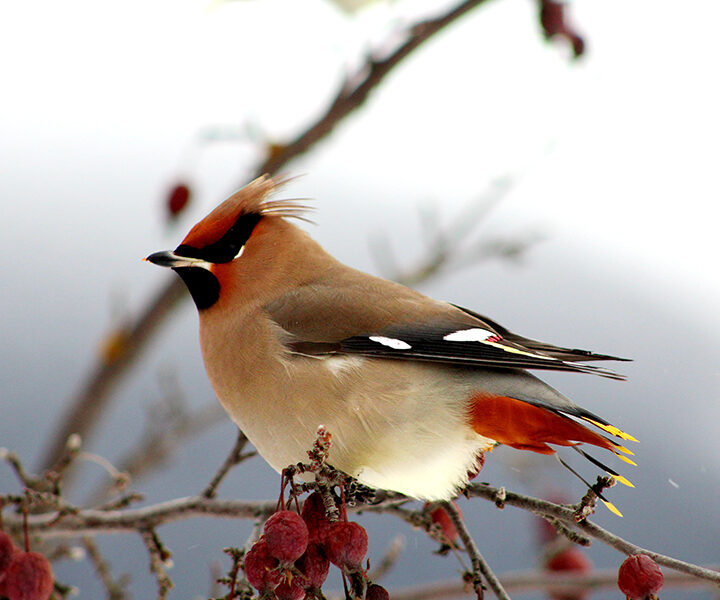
x: 409, y: 326
x: 559, y: 352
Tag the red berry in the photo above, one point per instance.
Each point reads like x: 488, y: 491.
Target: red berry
x: 314, y: 565
x: 376, y: 592
x: 29, y: 577
x: 292, y: 589
x: 261, y: 568
x: 441, y: 518
x: 178, y: 199
x: 639, y: 577
x: 346, y: 545
x: 571, y: 559
x: 315, y: 517
x: 552, y: 17
x: 7, y: 551
x: 574, y: 560
x: 578, y: 44
x: 286, y: 536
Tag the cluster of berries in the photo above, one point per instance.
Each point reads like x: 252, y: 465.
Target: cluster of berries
x: 292, y: 558
x: 23, y: 575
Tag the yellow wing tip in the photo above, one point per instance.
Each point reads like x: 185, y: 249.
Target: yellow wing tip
x: 612, y: 430
x: 612, y: 508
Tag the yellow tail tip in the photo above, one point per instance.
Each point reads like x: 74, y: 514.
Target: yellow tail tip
x: 623, y: 480
x: 627, y: 460
x: 623, y: 449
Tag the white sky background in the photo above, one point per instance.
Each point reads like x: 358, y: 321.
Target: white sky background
x: 614, y: 157
x: 619, y: 150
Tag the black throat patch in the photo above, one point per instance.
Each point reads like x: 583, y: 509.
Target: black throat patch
x: 203, y: 286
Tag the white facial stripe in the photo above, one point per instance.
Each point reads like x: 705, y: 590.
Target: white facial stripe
x: 471, y: 335
x: 390, y: 342
x: 239, y: 254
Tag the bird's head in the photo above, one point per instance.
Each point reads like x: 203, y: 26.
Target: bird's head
x: 235, y: 244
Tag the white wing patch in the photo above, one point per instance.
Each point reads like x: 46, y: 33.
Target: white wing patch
x: 477, y: 334
x: 472, y: 335
x: 390, y: 342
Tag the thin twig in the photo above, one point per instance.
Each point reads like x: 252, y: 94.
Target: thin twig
x: 159, y: 560
x: 158, y: 445
x: 116, y: 589
x: 236, y: 456
x: 480, y: 565
x: 389, y: 559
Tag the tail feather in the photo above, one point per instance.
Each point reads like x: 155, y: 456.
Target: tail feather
x: 531, y: 426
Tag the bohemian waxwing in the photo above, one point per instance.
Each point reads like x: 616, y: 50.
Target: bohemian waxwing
x: 411, y: 389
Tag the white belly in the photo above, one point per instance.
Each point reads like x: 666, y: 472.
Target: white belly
x: 393, y: 426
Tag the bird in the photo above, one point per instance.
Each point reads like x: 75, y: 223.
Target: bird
x: 412, y: 390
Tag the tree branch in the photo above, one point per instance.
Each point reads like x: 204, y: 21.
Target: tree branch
x: 566, y: 514
x: 480, y: 565
x: 524, y: 582
x: 357, y: 87
x: 92, y: 521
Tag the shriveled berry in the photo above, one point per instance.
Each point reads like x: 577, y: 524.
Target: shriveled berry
x: 286, y: 536
x: 314, y: 565
x: 440, y: 517
x: 376, y: 592
x: 29, y: 577
x: 639, y: 577
x: 346, y: 545
x: 261, y: 568
x: 291, y: 589
x: 572, y: 560
x: 178, y: 199
x: 315, y: 517
x: 7, y: 551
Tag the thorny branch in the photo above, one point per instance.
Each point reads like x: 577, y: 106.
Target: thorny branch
x: 94, y: 394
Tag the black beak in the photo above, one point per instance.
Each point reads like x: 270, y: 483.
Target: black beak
x: 173, y: 261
